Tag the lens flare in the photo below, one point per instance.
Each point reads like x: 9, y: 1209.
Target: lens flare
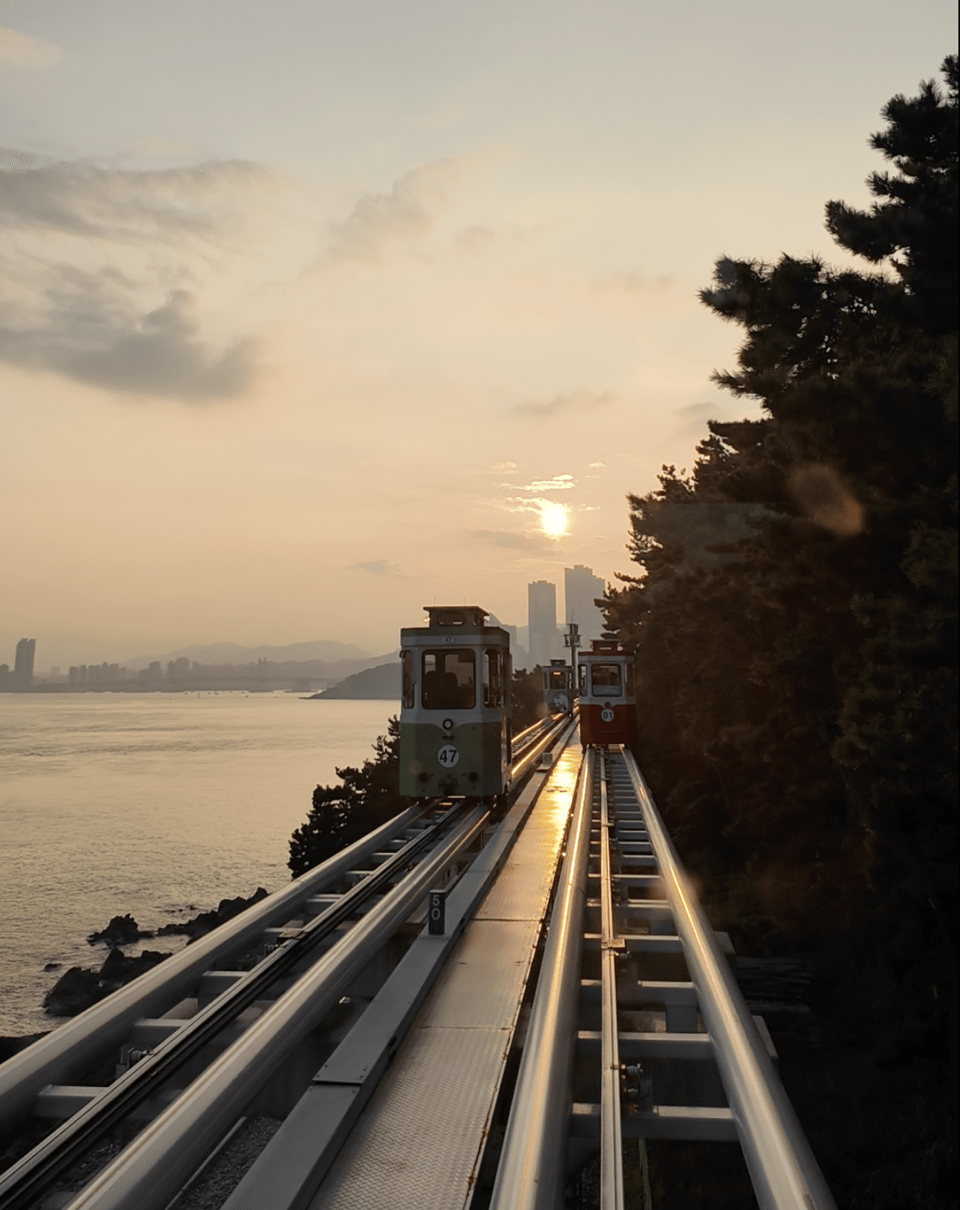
x: 553, y: 519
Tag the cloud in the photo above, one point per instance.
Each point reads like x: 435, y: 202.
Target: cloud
x: 404, y: 215
x: 23, y: 50
x: 88, y: 201
x: 694, y: 418
x: 160, y: 148
x: 92, y: 285
x: 510, y: 540
x: 634, y: 283
x: 377, y: 567
x: 159, y: 354
x: 579, y: 401
x: 559, y: 483
x: 475, y: 239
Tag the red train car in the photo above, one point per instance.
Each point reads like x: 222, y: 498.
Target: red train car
x: 608, y: 709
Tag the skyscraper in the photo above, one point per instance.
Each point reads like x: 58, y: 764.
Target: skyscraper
x: 23, y: 665
x: 580, y: 589
x: 542, y: 618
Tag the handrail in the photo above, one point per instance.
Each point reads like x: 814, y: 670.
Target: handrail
x: 783, y: 1169
x: 530, y: 1174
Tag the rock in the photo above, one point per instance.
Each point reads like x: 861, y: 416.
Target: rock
x: 206, y: 921
x: 73, y: 992
x: 118, y: 969
x: 122, y: 930
x: 191, y: 928
x: 53, y: 966
x: 228, y: 908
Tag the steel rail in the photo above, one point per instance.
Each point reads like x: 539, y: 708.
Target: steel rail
x: 52, y: 1060
x: 77, y: 1043
x: 26, y: 1180
x: 524, y: 764
x: 611, y: 1143
x: 529, y: 733
x: 291, y: 1168
x: 530, y: 1173
x: 782, y: 1167
x: 154, y: 1167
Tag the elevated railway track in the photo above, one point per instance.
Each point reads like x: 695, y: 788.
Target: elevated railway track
x: 565, y: 994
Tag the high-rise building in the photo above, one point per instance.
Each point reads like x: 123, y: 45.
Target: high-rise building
x: 23, y: 665
x: 542, y: 618
x: 580, y: 589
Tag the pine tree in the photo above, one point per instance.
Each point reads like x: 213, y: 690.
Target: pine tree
x: 799, y: 686
x: 366, y: 798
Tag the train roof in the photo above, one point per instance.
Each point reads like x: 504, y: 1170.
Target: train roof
x: 605, y: 647
x: 463, y: 619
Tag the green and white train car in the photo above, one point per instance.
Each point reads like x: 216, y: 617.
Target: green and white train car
x: 455, y: 708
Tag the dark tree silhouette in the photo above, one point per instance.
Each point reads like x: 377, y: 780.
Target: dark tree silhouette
x: 365, y: 798
x: 797, y: 674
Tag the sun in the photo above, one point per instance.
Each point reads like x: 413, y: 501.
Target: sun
x: 553, y: 519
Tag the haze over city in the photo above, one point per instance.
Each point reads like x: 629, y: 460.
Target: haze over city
x: 310, y: 315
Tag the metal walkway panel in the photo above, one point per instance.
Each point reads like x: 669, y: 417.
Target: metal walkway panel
x: 419, y: 1143
x: 523, y: 890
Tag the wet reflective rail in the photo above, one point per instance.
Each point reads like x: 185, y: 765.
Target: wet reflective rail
x: 665, y: 1046
x: 463, y: 1009
x: 179, y: 1056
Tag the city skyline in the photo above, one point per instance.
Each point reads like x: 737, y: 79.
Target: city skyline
x: 405, y: 320
x: 542, y: 634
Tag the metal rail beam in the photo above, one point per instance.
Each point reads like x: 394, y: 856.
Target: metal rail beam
x: 155, y: 1166
x: 611, y: 1146
x: 54, y: 1059
x: 782, y: 1166
x: 290, y: 1169
x: 232, y: 991
x: 530, y: 1173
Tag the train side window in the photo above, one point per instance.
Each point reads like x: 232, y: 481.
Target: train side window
x: 605, y: 680
x: 582, y: 670
x: 493, y: 691
x: 406, y: 664
x: 449, y: 680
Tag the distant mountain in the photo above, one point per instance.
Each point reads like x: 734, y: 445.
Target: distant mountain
x: 232, y: 653
x: 382, y: 682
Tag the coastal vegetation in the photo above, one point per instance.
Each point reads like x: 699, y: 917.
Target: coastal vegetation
x: 797, y: 687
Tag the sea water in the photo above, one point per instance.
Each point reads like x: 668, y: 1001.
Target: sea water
x: 155, y: 804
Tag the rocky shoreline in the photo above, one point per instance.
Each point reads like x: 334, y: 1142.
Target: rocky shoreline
x: 78, y: 988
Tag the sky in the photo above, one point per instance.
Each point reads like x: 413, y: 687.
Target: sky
x: 317, y: 311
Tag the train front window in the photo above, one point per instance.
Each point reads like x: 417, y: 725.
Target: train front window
x: 629, y: 671
x: 493, y: 678
x: 605, y: 680
x: 406, y: 664
x: 558, y: 678
x: 449, y: 680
